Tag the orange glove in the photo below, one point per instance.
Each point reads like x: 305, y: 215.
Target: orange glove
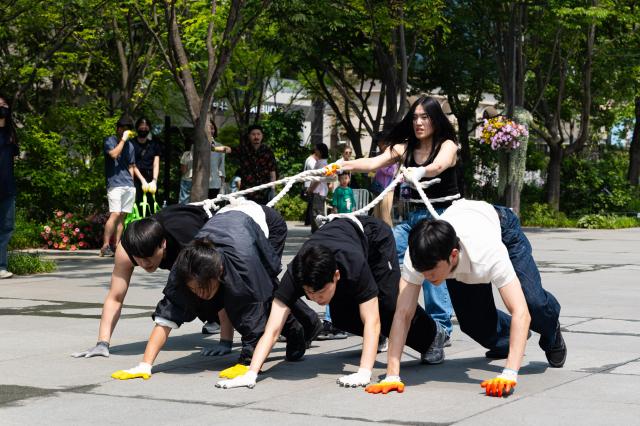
x: 330, y: 169
x: 390, y: 383
x: 503, y: 385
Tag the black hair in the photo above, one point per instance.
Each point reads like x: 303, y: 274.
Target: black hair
x: 255, y: 127
x: 314, y: 267
x: 212, y: 120
x: 323, y: 149
x: 442, y: 128
x: 142, y: 237
x: 200, y: 261
x: 9, y: 124
x: 144, y: 120
x: 125, y: 122
x: 431, y: 241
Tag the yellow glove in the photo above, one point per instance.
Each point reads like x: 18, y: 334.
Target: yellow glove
x: 141, y: 371
x: 235, y: 371
x: 128, y: 134
x: 390, y: 383
x: 503, y: 385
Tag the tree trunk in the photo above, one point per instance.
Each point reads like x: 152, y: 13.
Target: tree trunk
x: 634, y: 149
x: 317, y: 125
x: 553, y: 175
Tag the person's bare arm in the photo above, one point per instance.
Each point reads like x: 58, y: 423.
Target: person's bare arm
x: 445, y: 159
x: 158, y: 338
x: 226, y: 328
x: 370, y: 315
x: 112, y: 307
x: 405, y: 310
x: 275, y: 323
x: 156, y: 167
x: 514, y: 300
x: 366, y: 165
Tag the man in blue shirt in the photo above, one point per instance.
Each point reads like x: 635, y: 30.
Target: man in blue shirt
x: 121, y: 192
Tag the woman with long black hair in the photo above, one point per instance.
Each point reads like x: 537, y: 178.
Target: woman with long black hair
x: 424, y: 137
x: 8, y: 150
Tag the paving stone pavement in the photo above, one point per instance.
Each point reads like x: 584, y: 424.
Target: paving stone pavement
x: 44, y: 318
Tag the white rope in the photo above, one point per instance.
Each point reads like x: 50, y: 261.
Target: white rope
x: 405, y: 174
x: 315, y: 175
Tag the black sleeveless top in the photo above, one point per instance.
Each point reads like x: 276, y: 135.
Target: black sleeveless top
x: 448, y: 181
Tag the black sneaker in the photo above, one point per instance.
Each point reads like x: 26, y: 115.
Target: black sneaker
x: 558, y: 354
x: 210, y: 327
x: 106, y: 252
x: 296, y: 345
x: 319, y: 328
x: 325, y: 333
x: 337, y: 333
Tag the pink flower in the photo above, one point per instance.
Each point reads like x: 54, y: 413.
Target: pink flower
x: 59, y: 213
x: 73, y: 247
x: 81, y: 236
x: 55, y: 245
x: 68, y: 216
x: 77, y: 230
x: 50, y: 243
x: 81, y: 244
x: 47, y: 229
x: 65, y: 240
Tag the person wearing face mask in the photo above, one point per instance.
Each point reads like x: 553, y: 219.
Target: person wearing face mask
x: 147, y: 158
x: 218, y: 270
x: 8, y: 150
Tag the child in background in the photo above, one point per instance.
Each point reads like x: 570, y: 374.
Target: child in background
x: 343, y: 199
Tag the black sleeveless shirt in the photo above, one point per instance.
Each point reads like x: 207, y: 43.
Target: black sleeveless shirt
x: 448, y: 181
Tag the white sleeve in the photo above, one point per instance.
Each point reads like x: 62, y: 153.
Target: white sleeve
x: 165, y: 322
x: 409, y: 274
x: 502, y: 272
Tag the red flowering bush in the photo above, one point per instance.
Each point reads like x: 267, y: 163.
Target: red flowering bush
x: 68, y: 232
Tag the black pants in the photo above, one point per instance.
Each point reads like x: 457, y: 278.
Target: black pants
x: 277, y: 237
x: 213, y: 193
x: 475, y: 307
x: 383, y: 262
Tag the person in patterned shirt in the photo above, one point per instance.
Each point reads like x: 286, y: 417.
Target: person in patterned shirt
x: 257, y: 165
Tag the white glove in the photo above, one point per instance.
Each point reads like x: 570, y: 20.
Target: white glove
x: 128, y: 134
x: 248, y: 379
x: 152, y: 187
x: 142, y: 371
x: 222, y: 348
x: 361, y: 378
x: 418, y: 172
x: 100, y: 349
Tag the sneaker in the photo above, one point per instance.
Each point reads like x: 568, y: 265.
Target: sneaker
x: 558, y: 354
x: 447, y: 341
x: 435, y: 353
x: 337, y: 333
x: 325, y: 333
x: 383, y: 344
x: 5, y: 274
x: 319, y: 328
x: 210, y: 327
x: 106, y: 252
x: 296, y: 345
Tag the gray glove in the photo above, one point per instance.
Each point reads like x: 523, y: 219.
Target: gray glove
x: 100, y: 349
x: 222, y: 348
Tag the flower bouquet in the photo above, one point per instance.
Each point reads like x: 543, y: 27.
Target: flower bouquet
x: 502, y: 133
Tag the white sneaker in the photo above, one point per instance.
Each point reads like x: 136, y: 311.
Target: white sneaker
x: 5, y: 274
x: 383, y: 344
x: 210, y: 328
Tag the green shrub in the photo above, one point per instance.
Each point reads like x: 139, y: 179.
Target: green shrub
x: 291, y: 207
x: 541, y: 214
x: 29, y: 263
x: 26, y: 234
x: 598, y: 221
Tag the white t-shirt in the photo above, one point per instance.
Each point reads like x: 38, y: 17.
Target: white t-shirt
x: 322, y: 189
x: 187, y: 160
x: 483, y: 257
x: 309, y: 164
